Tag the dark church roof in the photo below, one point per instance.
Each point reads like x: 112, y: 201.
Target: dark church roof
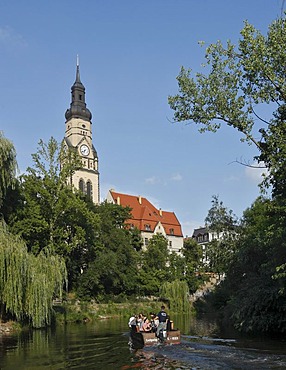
x: 78, y: 107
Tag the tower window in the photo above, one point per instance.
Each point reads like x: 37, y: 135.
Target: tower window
x: 80, y: 97
x: 81, y: 185
x: 89, y: 189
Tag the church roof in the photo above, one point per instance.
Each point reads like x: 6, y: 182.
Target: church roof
x: 145, y: 216
x: 78, y: 107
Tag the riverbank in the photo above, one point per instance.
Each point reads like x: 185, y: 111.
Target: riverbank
x: 73, y: 310
x: 8, y: 327
x: 78, y: 311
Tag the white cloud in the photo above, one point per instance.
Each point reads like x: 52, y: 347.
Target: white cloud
x: 152, y: 180
x: 11, y: 38
x: 177, y: 177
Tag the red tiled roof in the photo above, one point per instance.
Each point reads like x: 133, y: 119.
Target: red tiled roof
x: 144, y: 213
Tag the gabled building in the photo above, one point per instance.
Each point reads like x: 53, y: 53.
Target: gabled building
x: 203, y: 237
x: 150, y: 220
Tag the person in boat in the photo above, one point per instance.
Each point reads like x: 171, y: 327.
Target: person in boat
x: 140, y: 321
x: 146, y: 325
x: 163, y: 319
x: 154, y: 322
x: 132, y: 323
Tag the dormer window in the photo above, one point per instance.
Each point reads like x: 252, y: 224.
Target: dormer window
x: 147, y: 227
x: 172, y: 231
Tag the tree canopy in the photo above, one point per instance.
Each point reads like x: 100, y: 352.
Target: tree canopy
x: 8, y: 166
x: 238, y: 81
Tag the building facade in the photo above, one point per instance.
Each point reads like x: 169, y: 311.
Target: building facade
x: 150, y: 220
x: 78, y: 136
x: 203, y: 237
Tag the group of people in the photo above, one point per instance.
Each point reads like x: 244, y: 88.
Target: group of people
x: 154, y: 324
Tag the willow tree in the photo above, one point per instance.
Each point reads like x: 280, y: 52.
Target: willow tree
x: 28, y: 283
x: 177, y: 294
x: 8, y: 166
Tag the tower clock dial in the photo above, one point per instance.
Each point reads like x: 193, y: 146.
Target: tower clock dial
x: 84, y: 149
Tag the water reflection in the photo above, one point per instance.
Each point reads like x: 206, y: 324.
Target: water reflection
x: 104, y: 345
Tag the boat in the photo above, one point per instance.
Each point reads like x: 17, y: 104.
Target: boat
x: 140, y: 339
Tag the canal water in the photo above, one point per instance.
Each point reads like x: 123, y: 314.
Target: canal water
x: 104, y: 345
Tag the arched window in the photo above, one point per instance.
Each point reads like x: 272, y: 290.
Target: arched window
x: 89, y: 189
x: 81, y: 185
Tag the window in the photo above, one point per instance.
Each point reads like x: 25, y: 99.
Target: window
x: 170, y: 243
x: 147, y: 227
x: 89, y: 189
x: 81, y: 185
x: 172, y: 231
x: 80, y: 97
x: 146, y: 241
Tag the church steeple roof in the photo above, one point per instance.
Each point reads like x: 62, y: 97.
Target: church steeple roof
x: 78, y: 107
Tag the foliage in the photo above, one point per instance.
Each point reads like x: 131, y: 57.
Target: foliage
x: 256, y: 299
x: 274, y: 154
x: 238, y: 80
x: 28, y: 283
x: 223, y: 224
x: 177, y: 294
x: 193, y: 255
x: 51, y: 216
x: 113, y: 267
x: 154, y: 270
x: 8, y: 166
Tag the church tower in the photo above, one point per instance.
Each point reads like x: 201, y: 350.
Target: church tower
x: 78, y: 136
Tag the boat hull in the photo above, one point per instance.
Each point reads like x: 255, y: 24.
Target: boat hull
x: 139, y: 339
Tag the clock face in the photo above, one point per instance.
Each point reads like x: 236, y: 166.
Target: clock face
x: 84, y: 149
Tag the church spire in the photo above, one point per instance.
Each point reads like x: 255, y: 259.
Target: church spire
x: 78, y: 106
x: 77, y: 78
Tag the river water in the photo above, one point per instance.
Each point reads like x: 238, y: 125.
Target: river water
x: 104, y: 345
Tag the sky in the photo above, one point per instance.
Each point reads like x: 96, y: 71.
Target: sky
x: 130, y: 52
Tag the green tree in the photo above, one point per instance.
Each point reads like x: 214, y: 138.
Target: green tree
x: 223, y: 224
x: 52, y: 216
x: 154, y: 265
x: 8, y: 167
x: 113, y: 269
x: 254, y: 297
x: 194, y: 269
x: 238, y: 81
x: 177, y: 294
x: 28, y: 283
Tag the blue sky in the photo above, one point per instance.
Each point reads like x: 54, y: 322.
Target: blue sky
x: 130, y: 54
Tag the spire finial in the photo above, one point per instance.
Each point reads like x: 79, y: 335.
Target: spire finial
x: 77, y: 69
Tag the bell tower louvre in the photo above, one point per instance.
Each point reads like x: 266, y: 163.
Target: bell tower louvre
x: 78, y: 136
